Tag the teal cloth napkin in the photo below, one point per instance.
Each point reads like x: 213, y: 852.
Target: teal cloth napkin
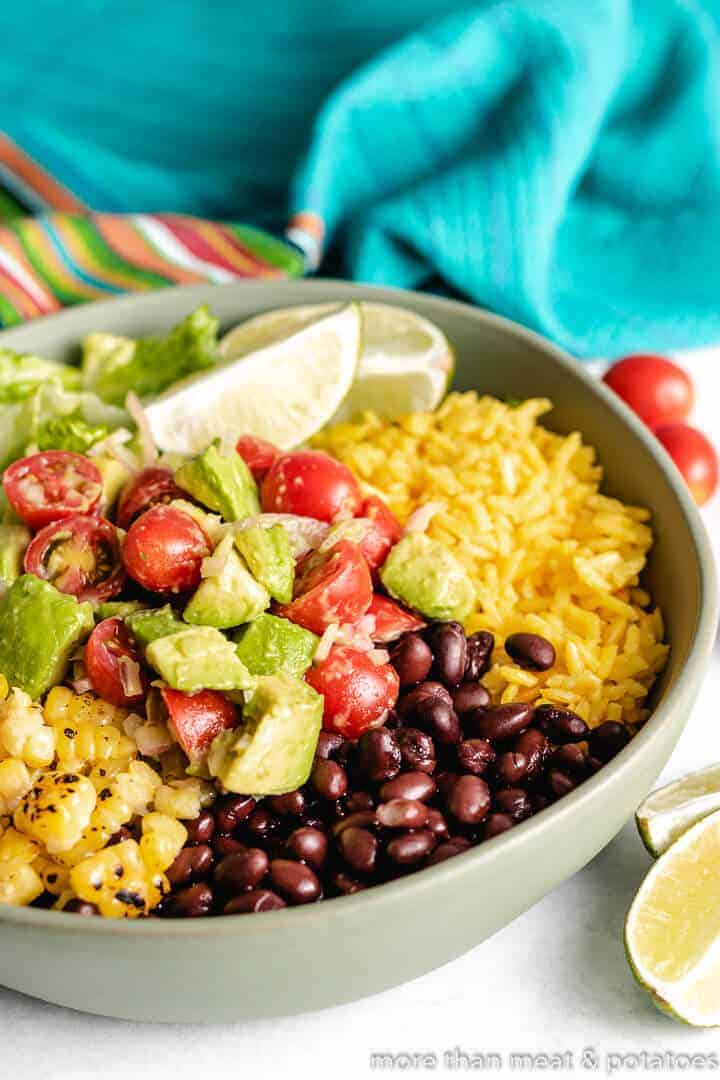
x: 557, y: 161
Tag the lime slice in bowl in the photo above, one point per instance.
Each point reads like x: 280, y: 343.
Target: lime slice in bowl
x: 405, y: 366
x: 283, y: 392
x: 671, y: 810
x: 672, y: 931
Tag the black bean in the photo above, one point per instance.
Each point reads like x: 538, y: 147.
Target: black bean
x: 500, y: 721
x: 513, y: 801
x: 412, y: 659
x: 309, y: 844
x: 560, y: 783
x: 538, y: 802
x: 192, y: 864
x: 293, y: 802
x: 570, y: 758
x: 594, y: 763
x: 511, y: 767
x: 470, y: 696
x: 446, y: 851
x: 359, y: 800
x: 468, y: 800
x: 426, y: 691
x: 495, y: 824
x: 439, y: 720
x: 530, y: 651
x: 192, y: 902
x: 360, y: 820
x: 243, y: 871
x: 261, y: 823
x: 474, y: 755
x: 417, y: 749
x: 410, y: 847
x: 297, y: 883
x: 255, y: 901
x: 347, y: 885
x: 479, y: 653
x: 607, y: 740
x: 437, y: 824
x: 378, y: 756
x: 409, y: 785
x: 328, y: 744
x: 359, y: 849
x: 80, y: 907
x: 402, y: 814
x: 119, y: 837
x: 225, y: 844
x: 201, y: 830
x: 231, y: 810
x: 449, y: 648
x: 445, y: 782
x: 534, y: 746
x: 329, y: 779
x: 560, y: 725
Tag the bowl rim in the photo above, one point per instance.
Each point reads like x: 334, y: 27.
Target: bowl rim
x: 451, y: 872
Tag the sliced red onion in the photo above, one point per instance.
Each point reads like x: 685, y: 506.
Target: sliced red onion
x: 326, y: 643
x: 353, y: 529
x: 114, y: 446
x: 420, y: 519
x: 379, y: 656
x: 153, y: 740
x: 129, y: 671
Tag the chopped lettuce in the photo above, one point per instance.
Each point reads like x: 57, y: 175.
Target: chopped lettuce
x: 22, y: 373
x: 69, y: 433
x: 113, y: 365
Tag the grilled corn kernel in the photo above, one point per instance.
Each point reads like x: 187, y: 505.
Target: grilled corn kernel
x: 162, y: 840
x: 22, y: 887
x: 23, y: 732
x: 15, y: 850
x: 56, y: 810
x: 55, y: 878
x: 118, y: 881
x: 137, y: 786
x: 179, y: 800
x: 15, y: 782
x: 92, y: 840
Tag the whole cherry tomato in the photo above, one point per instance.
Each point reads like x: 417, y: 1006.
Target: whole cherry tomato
x: 694, y: 456
x: 113, y: 666
x: 312, y: 484
x: 164, y: 549
x: 330, y: 587
x: 258, y: 454
x: 52, y: 485
x: 385, y: 533
x: 79, y: 555
x: 151, y: 486
x: 654, y: 387
x: 197, y: 718
x: 358, y: 693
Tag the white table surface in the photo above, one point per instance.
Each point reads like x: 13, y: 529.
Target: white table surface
x: 554, y: 981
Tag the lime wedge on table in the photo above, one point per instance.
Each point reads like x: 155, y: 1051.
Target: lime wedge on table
x: 405, y: 366
x: 284, y: 391
x: 672, y: 931
x: 671, y: 810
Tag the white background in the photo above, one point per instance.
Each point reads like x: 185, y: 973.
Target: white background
x: 555, y: 980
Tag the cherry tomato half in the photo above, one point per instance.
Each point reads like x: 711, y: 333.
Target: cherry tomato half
x: 391, y: 620
x: 357, y: 692
x: 312, y: 484
x: 654, y: 387
x: 330, y: 587
x: 258, y: 454
x: 385, y: 533
x: 79, y: 555
x: 150, y: 487
x: 694, y: 456
x: 164, y: 549
x: 52, y: 485
x: 197, y: 718
x: 113, y: 665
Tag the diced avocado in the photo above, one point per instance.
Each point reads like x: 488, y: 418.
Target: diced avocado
x: 230, y: 597
x: 199, y: 658
x: 211, y: 523
x: 222, y: 482
x: 13, y: 541
x: 270, y: 644
x: 426, y: 576
x: 114, y: 478
x: 7, y: 514
x: 40, y: 628
x: 269, y: 556
x: 272, y: 751
x: 150, y: 624
x: 118, y: 609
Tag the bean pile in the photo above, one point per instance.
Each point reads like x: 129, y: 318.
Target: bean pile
x: 447, y: 771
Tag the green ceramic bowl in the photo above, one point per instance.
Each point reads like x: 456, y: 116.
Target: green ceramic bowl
x: 306, y: 958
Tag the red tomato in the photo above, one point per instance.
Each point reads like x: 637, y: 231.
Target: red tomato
x: 312, y: 484
x: 112, y: 665
x: 694, y: 456
x: 164, y: 549
x: 654, y: 387
x: 258, y: 454
x: 150, y: 487
x: 78, y: 555
x: 197, y: 718
x: 56, y: 484
x: 386, y: 531
x: 330, y: 587
x: 357, y: 692
x: 391, y: 620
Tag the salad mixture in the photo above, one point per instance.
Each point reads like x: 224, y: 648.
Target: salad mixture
x: 248, y: 675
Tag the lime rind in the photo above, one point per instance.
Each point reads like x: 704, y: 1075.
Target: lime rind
x: 671, y: 810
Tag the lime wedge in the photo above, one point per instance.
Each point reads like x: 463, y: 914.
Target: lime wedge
x: 406, y: 363
x: 283, y: 392
x: 671, y: 810
x: 672, y: 931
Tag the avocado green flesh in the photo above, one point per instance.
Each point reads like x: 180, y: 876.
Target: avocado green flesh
x: 13, y: 541
x: 40, y: 628
x: 198, y: 658
x: 423, y: 574
x: 269, y: 556
x: 272, y: 751
x: 118, y: 609
x: 153, y: 623
x: 114, y: 478
x: 270, y: 644
x: 229, y: 598
x: 221, y: 482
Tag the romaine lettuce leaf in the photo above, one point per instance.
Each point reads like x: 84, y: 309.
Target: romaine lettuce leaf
x: 112, y: 365
x: 22, y: 373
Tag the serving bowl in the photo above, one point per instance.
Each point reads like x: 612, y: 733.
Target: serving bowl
x: 299, y: 959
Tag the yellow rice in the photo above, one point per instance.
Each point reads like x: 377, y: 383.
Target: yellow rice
x: 548, y: 553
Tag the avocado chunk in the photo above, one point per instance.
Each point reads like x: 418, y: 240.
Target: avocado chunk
x: 40, y: 628
x: 269, y: 555
x: 222, y: 482
x: 118, y: 609
x: 270, y: 644
x: 151, y: 624
x: 114, y: 478
x: 272, y: 750
x: 199, y: 658
x: 230, y: 597
x: 13, y: 541
x: 211, y: 523
x: 423, y: 574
